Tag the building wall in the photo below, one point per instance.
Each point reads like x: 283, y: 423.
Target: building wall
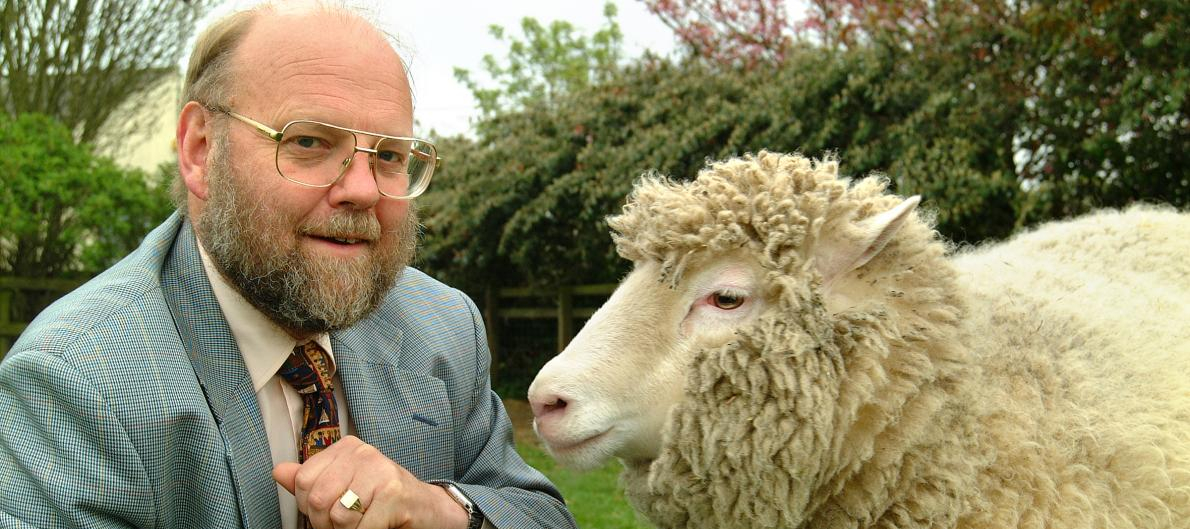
x: 156, y: 146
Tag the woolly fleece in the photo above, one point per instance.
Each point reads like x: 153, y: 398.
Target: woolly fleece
x: 1042, y: 382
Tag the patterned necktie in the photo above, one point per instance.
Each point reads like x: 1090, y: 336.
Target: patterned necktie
x: 309, y: 370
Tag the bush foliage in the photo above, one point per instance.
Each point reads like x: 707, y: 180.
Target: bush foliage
x: 68, y: 212
x: 1001, y: 116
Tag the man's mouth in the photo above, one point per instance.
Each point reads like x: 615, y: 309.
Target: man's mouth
x: 341, y: 240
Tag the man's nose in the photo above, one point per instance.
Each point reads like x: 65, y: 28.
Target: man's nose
x: 357, y: 186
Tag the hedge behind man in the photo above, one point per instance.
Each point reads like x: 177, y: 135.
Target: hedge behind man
x: 265, y: 358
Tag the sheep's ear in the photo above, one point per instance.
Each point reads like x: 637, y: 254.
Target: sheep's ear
x: 837, y: 256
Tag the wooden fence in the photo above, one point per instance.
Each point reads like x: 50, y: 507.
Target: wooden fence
x: 507, y: 304
x: 21, y: 298
x: 500, y: 305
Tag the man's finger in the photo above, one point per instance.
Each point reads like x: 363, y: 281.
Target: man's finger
x: 286, y: 475
x: 341, y: 515
x: 312, y: 469
x: 322, y: 500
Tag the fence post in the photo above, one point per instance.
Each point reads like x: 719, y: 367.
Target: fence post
x: 5, y: 319
x: 565, y: 317
x: 491, y: 322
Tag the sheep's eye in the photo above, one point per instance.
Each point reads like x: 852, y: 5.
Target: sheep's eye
x: 726, y: 300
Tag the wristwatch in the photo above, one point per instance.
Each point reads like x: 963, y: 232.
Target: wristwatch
x: 474, y: 517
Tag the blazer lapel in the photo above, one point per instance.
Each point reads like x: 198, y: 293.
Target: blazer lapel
x: 407, y: 415
x: 367, y: 356
x: 220, y: 368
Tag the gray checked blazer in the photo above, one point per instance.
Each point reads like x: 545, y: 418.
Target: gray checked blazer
x: 127, y: 404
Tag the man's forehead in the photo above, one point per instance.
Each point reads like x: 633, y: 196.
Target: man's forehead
x: 383, y: 123
x: 324, y: 67
x: 313, y: 33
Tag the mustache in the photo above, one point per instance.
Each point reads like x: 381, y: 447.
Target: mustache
x: 345, y: 225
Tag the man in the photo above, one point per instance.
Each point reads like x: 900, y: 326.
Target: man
x: 214, y: 377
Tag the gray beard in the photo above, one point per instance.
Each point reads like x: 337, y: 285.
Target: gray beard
x: 254, y: 249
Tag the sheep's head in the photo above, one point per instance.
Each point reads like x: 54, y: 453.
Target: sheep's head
x: 755, y: 249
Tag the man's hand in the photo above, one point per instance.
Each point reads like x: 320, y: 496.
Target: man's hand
x: 392, y: 497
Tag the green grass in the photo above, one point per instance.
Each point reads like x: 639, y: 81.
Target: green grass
x: 594, y: 496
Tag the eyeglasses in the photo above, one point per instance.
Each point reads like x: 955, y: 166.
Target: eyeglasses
x: 316, y: 154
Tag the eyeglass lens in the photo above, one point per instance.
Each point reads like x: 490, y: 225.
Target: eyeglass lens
x: 316, y: 154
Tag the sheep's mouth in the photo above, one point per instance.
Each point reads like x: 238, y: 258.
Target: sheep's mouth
x: 580, y: 444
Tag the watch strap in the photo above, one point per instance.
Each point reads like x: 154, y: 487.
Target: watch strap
x: 474, y: 516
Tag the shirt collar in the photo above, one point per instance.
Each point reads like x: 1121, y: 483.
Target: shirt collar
x: 263, y: 344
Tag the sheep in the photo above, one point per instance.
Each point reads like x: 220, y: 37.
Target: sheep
x: 795, y: 350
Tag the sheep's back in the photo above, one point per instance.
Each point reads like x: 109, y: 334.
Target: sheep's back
x: 1081, y: 331
x: 1107, y: 293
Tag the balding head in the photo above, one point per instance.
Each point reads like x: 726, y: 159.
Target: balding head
x: 208, y: 74
x: 317, y: 57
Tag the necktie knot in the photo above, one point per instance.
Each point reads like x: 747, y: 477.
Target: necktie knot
x: 310, y: 370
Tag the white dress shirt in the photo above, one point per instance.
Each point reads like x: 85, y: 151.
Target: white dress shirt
x: 265, y: 347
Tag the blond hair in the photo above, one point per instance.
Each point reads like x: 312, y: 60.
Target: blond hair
x: 209, y: 71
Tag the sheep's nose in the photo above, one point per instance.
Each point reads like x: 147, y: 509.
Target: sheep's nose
x: 547, y: 405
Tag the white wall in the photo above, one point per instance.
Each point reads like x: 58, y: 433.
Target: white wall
x: 156, y: 146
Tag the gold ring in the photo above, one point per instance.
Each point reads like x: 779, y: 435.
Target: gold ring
x: 350, y: 500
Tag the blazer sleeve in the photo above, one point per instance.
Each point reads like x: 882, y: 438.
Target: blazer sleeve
x: 65, y: 459
x: 511, y: 494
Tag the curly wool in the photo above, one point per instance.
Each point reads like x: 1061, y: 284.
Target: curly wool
x: 766, y: 205
x: 1039, y: 383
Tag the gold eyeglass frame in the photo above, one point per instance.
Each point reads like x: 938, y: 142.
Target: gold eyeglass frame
x: 275, y: 136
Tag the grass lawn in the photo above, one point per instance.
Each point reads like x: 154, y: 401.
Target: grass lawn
x: 594, y: 496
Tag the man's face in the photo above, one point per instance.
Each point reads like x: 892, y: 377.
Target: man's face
x: 300, y: 286
x: 313, y: 259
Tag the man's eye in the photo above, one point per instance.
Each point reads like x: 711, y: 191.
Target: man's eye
x: 307, y: 142
x: 726, y: 300
x: 390, y: 156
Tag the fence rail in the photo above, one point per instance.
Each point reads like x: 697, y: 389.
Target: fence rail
x: 498, y: 307
x: 517, y: 303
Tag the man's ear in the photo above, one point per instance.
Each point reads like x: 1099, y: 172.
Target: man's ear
x: 838, y: 255
x: 194, y: 145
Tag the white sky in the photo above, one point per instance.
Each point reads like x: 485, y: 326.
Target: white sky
x: 439, y: 35
x: 456, y: 34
